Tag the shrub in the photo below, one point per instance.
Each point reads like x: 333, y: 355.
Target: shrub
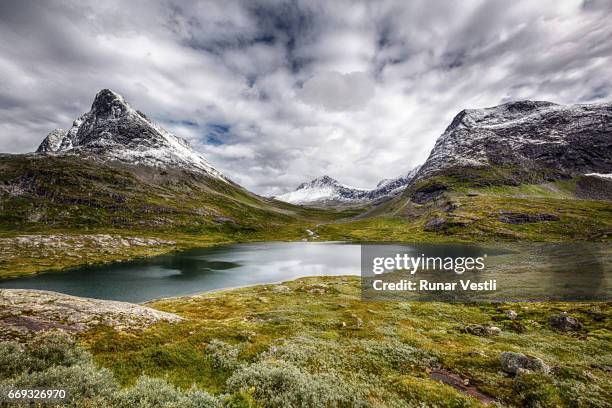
x: 54, y: 361
x: 278, y: 383
x: 13, y: 359
x: 53, y: 348
x: 396, y: 355
x: 46, y: 350
x: 154, y: 392
x: 82, y: 382
x: 224, y: 356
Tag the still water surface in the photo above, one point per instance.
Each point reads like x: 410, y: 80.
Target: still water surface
x: 205, y: 269
x: 526, y: 272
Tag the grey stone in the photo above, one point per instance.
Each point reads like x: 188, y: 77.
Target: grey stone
x: 563, y: 322
x: 515, y: 363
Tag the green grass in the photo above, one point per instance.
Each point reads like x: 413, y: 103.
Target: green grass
x: 386, y: 349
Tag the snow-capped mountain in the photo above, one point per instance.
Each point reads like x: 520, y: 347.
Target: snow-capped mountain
x: 326, y: 190
x: 530, y: 135
x: 321, y: 190
x: 113, y: 131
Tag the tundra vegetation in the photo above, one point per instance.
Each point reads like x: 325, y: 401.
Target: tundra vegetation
x: 313, y: 342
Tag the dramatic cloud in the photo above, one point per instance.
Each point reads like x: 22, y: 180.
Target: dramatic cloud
x: 275, y: 93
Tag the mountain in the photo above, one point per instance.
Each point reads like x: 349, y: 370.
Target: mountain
x: 113, y: 131
x: 530, y: 139
x: 325, y: 190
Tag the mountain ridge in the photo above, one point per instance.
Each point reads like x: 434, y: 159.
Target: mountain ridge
x: 326, y: 190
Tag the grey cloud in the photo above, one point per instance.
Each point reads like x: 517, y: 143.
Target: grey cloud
x: 357, y: 90
x: 338, y: 92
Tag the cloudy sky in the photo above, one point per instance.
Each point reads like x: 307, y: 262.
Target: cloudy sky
x: 275, y: 93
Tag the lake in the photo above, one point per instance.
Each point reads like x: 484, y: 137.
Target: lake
x: 231, y: 266
x: 205, y: 269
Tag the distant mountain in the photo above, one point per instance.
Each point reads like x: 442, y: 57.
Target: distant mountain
x: 113, y: 131
x: 529, y: 138
x: 325, y: 190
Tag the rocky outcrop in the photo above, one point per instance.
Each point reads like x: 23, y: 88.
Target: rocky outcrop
x: 52, y: 142
x: 510, y: 217
x: 481, y: 330
x: 23, y: 311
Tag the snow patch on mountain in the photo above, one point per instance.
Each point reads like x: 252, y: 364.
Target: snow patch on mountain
x: 114, y: 131
x: 605, y: 176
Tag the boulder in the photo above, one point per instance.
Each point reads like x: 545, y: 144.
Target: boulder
x: 481, y: 330
x: 516, y: 363
x: 563, y: 322
x: 511, y: 314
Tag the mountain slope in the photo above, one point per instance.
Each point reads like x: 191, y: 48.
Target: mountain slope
x: 113, y: 131
x: 327, y: 191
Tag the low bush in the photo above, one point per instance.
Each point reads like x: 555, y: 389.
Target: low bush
x: 280, y: 384
x: 153, y: 392
x: 54, y: 361
x: 224, y: 356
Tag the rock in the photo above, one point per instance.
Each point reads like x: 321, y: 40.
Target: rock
x: 480, y: 330
x: 516, y: 363
x: 25, y: 311
x: 511, y: 314
x: 435, y: 224
x: 563, y: 322
x: 515, y: 326
x: 510, y: 217
x: 428, y: 193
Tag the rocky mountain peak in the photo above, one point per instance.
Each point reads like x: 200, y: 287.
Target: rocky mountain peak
x: 108, y: 103
x: 529, y: 135
x: 113, y: 131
